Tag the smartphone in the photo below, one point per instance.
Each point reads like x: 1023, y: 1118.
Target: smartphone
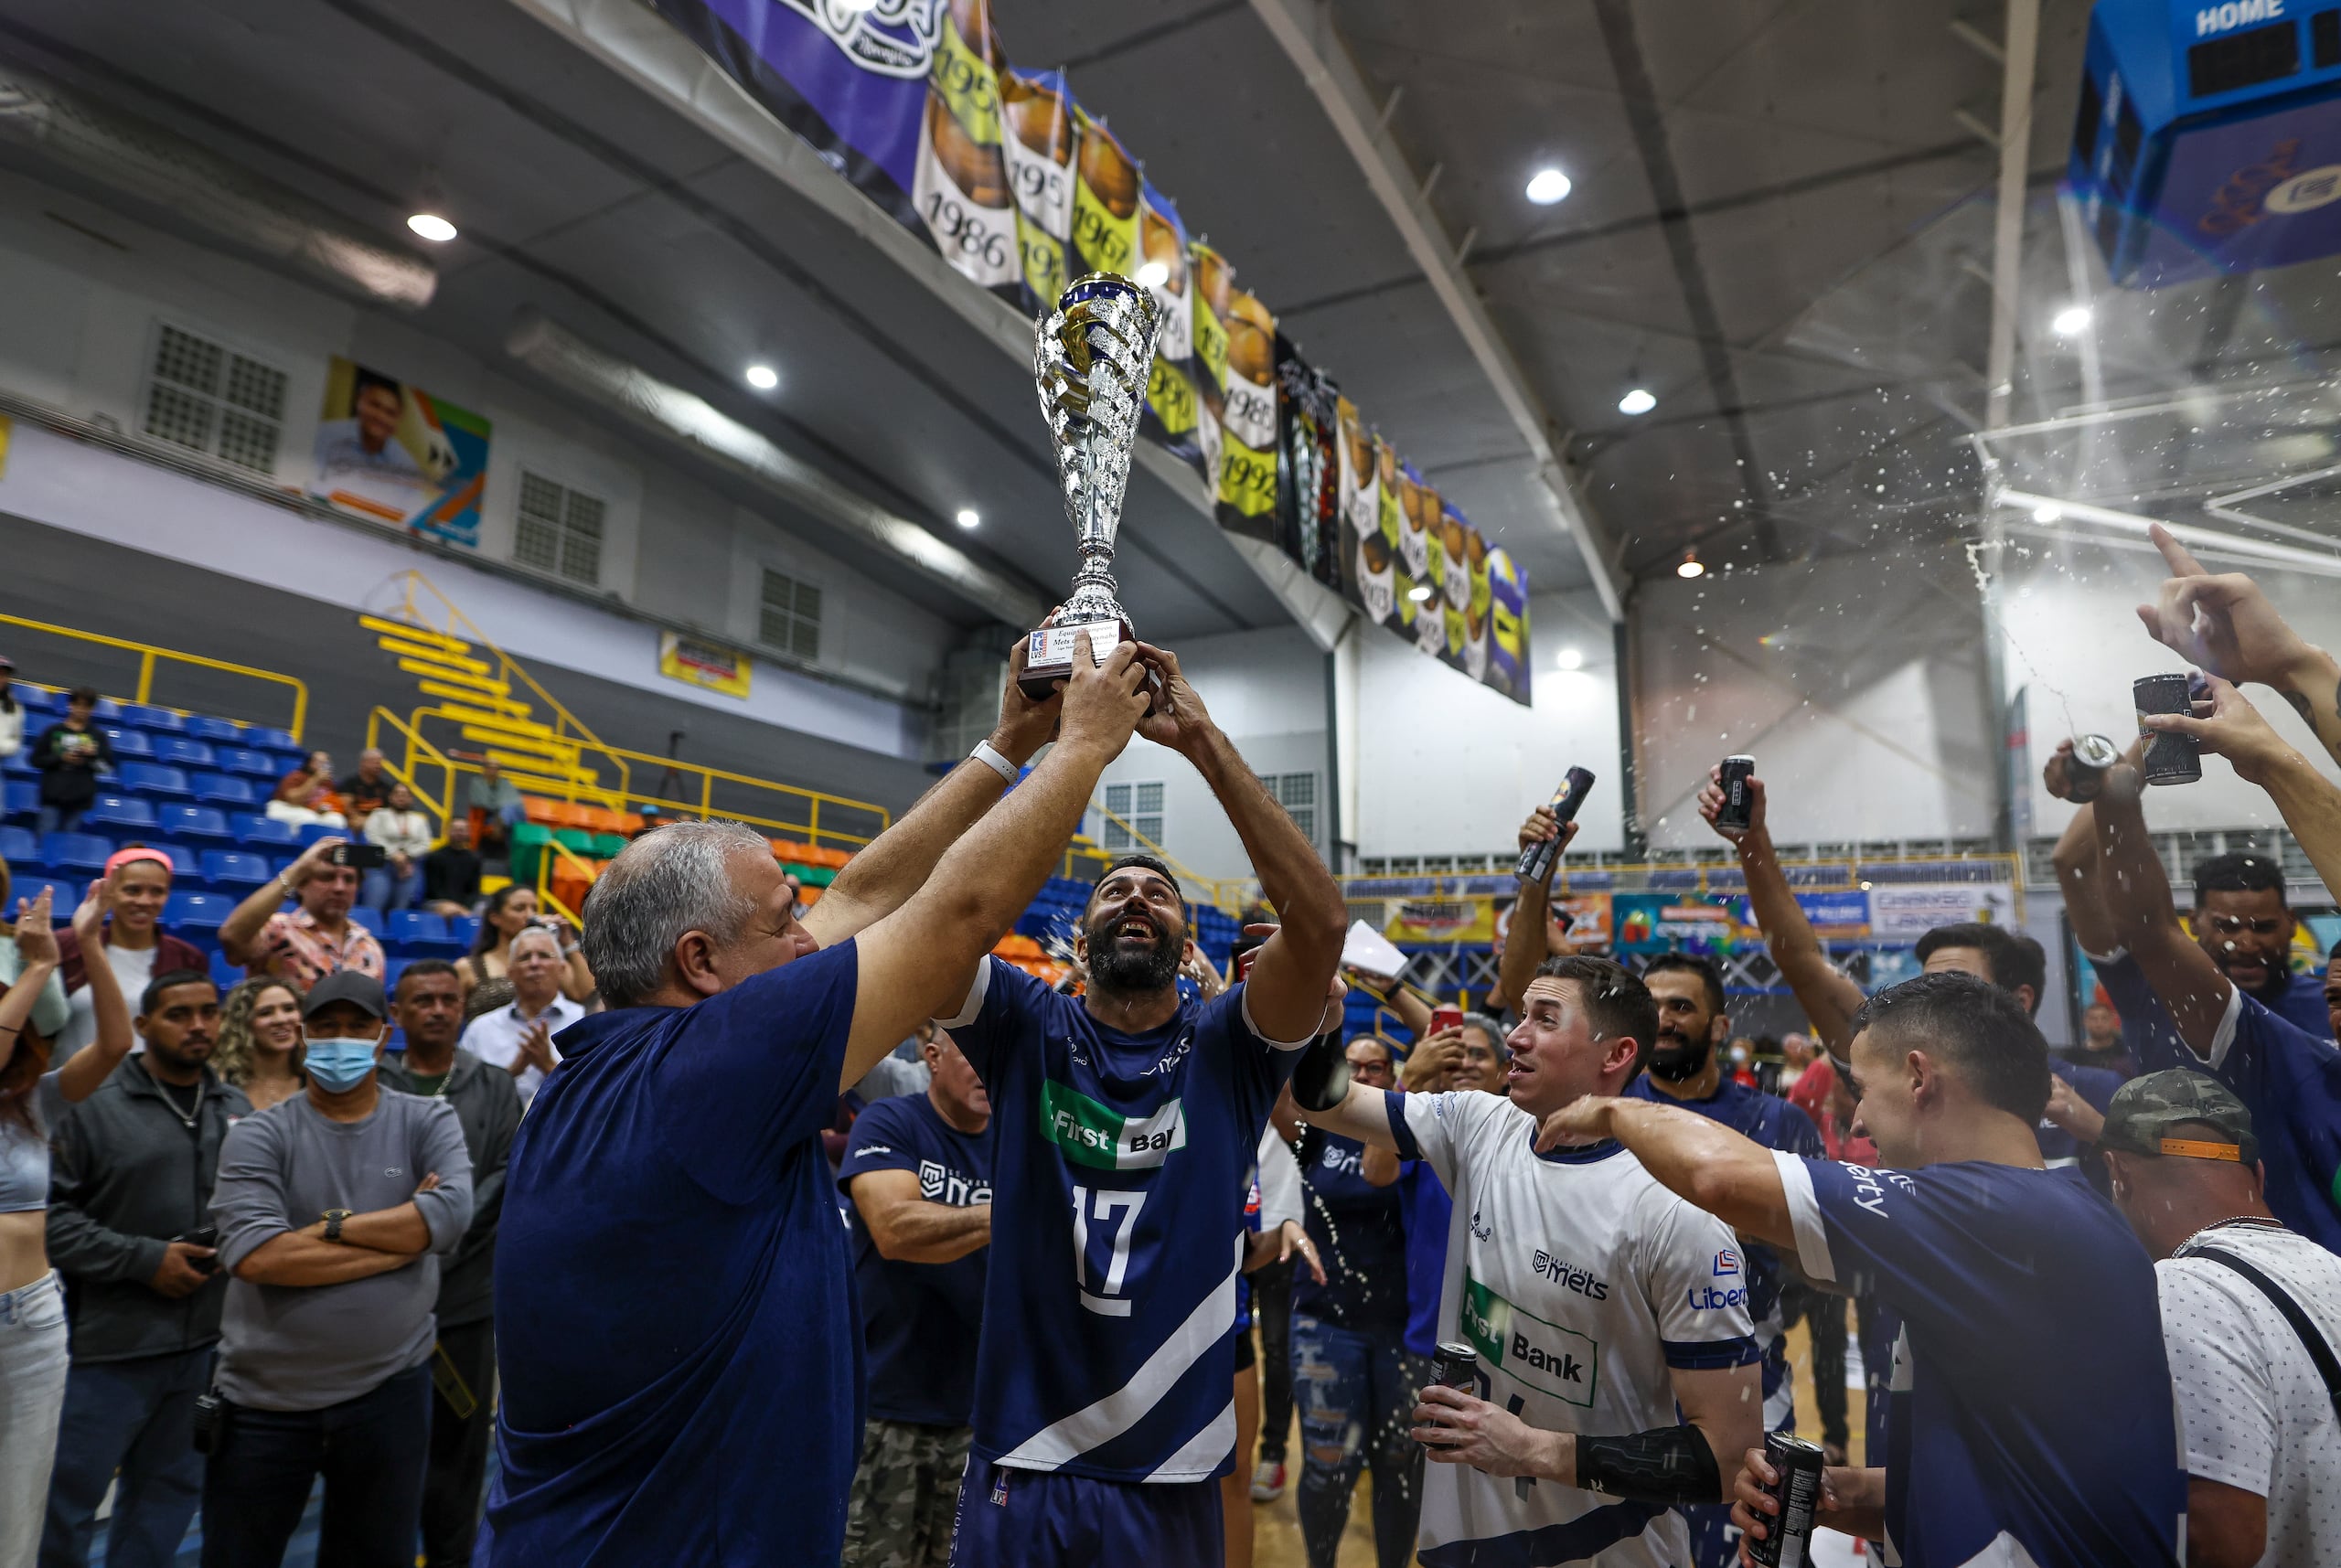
x: 357, y: 857
x: 208, y: 1236
x: 1446, y: 1018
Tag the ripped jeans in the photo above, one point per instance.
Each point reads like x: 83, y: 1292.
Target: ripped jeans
x: 1356, y: 1393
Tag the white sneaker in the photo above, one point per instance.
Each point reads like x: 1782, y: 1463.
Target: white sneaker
x: 1267, y: 1480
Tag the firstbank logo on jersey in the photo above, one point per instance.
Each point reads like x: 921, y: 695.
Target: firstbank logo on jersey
x: 1095, y: 1134
x: 1551, y: 1359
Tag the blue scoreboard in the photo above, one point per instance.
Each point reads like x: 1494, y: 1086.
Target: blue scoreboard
x: 2209, y: 138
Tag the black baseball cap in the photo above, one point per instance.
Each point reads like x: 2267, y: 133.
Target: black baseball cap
x: 2145, y: 1109
x: 346, y: 985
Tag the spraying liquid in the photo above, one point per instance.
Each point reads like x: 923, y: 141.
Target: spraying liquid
x: 1975, y: 549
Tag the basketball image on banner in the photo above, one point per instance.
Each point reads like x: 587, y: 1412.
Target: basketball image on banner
x: 393, y: 452
x: 1507, y: 626
x: 1213, y: 297
x: 1459, y: 542
x: 1308, y: 483
x: 1174, y: 411
x: 1247, y: 455
x: 1105, y: 201
x: 961, y: 189
x: 1476, y: 597
x: 1036, y: 134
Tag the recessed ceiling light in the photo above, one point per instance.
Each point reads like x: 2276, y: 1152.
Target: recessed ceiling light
x: 1641, y: 400
x: 1571, y: 658
x: 2047, y: 512
x: 1691, y: 566
x: 1154, y: 274
x: 968, y: 518
x: 1548, y: 186
x: 763, y: 378
x: 1419, y: 592
x: 431, y: 226
x: 2070, y: 322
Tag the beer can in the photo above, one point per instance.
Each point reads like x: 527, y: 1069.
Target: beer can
x: 1457, y: 1366
x: 1537, y: 860
x: 1787, y: 1534
x: 2170, y: 759
x: 2085, y: 768
x: 1738, y: 800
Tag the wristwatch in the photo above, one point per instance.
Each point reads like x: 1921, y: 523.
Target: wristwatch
x: 333, y: 1219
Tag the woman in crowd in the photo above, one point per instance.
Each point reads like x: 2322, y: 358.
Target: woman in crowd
x: 309, y: 789
x: 259, y: 1050
x: 12, y: 712
x: 510, y: 910
x: 51, y: 1010
x: 32, y: 1304
x: 403, y: 833
x: 136, y: 946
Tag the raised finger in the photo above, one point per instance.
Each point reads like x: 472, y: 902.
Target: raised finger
x: 2181, y: 561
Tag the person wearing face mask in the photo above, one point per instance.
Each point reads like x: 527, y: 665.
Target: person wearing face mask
x: 136, y: 946
x: 1687, y: 1069
x: 334, y: 1209
x: 518, y: 1039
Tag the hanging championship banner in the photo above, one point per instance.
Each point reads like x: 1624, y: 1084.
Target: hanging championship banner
x: 1247, y: 452
x: 1308, y: 479
x: 1036, y: 134
x: 962, y: 187
x: 1172, y: 417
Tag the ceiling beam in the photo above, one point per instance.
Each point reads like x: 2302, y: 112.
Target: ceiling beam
x: 2007, y: 237
x: 1306, y: 34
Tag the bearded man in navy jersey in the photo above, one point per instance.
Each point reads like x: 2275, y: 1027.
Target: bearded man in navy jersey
x: 1124, y: 1125
x: 2032, y: 1420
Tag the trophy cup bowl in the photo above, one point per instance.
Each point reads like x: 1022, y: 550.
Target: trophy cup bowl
x: 1091, y: 356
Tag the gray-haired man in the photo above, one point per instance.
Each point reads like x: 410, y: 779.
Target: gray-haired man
x: 680, y: 1360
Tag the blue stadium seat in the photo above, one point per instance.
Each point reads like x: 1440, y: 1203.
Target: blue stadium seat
x: 464, y: 929
x: 252, y: 831
x: 109, y: 810
x: 75, y: 852
x: 40, y: 700
x: 147, y: 716
x: 275, y: 739
x: 18, y: 763
x: 391, y: 969
x: 420, y: 929
x: 218, y: 789
x: 199, y: 823
x: 202, y: 727
x: 180, y: 752
x: 236, y: 869
x: 18, y: 847
x: 189, y: 913
x: 224, y: 974
x: 186, y: 869
x: 107, y: 710
x: 127, y: 743
x: 23, y: 797
x: 247, y: 761
x: 372, y: 919
x: 153, y: 779
x: 308, y: 833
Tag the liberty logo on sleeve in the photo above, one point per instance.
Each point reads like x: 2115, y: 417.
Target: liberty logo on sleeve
x: 1556, y: 1361
x: 1094, y: 1134
x: 1727, y: 1262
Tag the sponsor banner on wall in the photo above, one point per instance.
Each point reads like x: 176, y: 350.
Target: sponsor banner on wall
x: 1442, y: 919
x: 699, y: 662
x: 1904, y: 911
x: 1685, y: 922
x: 389, y: 451
x: 1841, y: 916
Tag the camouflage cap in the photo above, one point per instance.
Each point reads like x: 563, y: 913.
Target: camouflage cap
x: 2143, y: 1110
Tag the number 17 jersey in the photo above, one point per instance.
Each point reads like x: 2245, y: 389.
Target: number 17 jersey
x: 1120, y: 1167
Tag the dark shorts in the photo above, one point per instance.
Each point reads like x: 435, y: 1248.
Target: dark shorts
x: 1244, y: 1355
x: 1039, y: 1518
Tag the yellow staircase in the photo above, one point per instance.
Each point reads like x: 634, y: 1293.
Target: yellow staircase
x: 459, y: 687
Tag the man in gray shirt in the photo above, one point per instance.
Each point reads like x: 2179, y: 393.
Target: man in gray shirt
x: 334, y: 1208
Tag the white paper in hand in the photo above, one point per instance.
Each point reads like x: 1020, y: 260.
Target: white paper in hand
x: 1367, y: 949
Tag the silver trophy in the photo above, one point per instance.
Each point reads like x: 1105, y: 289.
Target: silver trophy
x: 1090, y: 357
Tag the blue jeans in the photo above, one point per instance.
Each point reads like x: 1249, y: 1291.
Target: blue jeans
x: 1356, y: 1393
x: 138, y: 1415
x: 57, y: 819
x: 371, y: 1451
x: 383, y: 889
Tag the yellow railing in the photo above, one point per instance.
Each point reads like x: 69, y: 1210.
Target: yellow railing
x: 1221, y: 893
x: 545, y: 898
x: 406, y: 763
x: 1713, y: 879
x: 150, y: 655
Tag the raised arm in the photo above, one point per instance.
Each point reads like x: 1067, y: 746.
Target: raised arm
x: 2225, y: 626
x: 2310, y: 802
x: 1523, y: 943
x: 2146, y: 920
x: 79, y: 1078
x: 1828, y: 998
x: 908, y: 1229
x: 877, y: 881
x: 37, y: 957
x: 240, y: 932
x: 920, y: 961
x: 1696, y: 1158
x: 1362, y: 1113
x: 2080, y: 870
x: 1286, y: 991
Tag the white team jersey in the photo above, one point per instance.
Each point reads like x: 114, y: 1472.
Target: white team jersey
x: 1580, y: 1281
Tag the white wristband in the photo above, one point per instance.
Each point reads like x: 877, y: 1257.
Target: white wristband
x: 986, y: 753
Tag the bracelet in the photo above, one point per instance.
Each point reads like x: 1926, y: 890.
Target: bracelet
x: 986, y: 753
x: 290, y: 891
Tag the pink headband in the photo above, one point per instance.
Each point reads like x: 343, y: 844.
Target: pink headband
x: 121, y: 857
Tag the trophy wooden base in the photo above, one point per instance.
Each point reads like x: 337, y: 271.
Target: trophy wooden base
x: 1049, y: 654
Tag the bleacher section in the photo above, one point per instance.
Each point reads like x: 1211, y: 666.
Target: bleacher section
x: 193, y: 786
